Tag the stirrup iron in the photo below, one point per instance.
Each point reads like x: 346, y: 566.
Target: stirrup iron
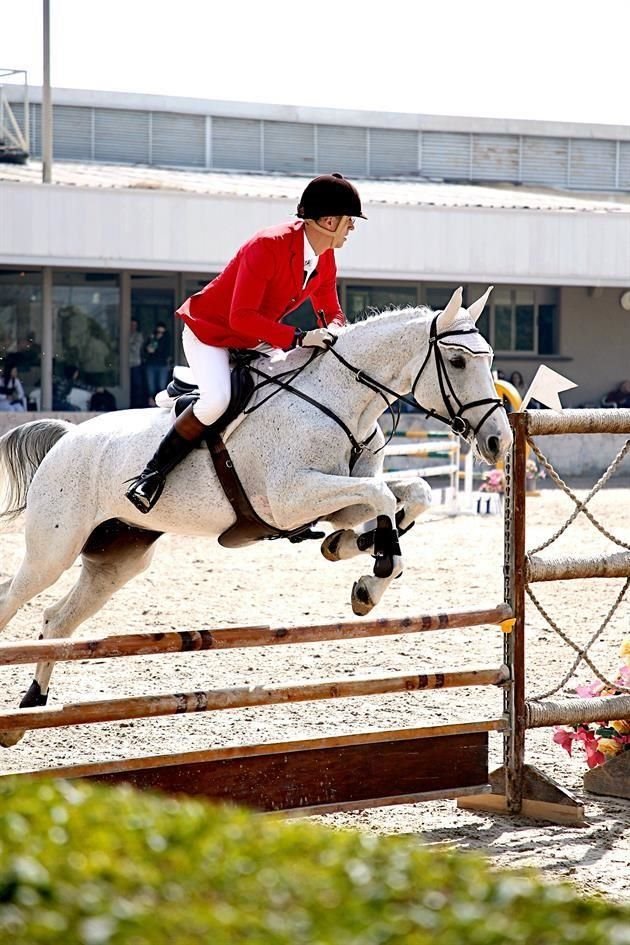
x: 145, y: 490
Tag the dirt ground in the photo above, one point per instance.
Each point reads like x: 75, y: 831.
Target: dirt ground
x: 451, y: 563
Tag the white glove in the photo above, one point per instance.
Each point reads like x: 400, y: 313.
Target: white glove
x: 316, y: 338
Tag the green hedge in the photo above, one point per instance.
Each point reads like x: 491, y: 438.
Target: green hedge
x: 90, y: 865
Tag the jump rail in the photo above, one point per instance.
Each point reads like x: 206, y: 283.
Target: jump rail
x: 141, y: 707
x: 178, y: 641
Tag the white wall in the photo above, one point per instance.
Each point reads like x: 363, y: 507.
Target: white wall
x: 73, y: 226
x: 595, y: 334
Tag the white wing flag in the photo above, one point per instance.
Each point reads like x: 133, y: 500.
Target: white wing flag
x: 545, y: 387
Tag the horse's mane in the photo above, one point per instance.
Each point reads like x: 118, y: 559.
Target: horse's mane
x: 413, y: 316
x: 372, y: 315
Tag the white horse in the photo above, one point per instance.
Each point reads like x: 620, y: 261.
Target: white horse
x: 293, y: 460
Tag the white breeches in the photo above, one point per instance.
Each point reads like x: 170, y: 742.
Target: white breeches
x: 211, y: 370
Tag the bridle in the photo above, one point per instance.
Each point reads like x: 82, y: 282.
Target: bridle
x: 455, y: 408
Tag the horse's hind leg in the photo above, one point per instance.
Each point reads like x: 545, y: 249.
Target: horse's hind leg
x: 47, y: 556
x: 112, y: 556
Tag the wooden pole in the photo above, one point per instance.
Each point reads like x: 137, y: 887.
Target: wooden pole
x: 515, y: 596
x: 112, y: 710
x: 577, y: 711
x: 549, y: 422
x: 570, y: 567
x: 183, y: 641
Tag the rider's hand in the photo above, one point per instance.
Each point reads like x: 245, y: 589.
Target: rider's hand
x: 316, y: 338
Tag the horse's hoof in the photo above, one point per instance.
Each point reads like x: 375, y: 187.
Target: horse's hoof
x: 11, y: 738
x: 34, y: 697
x: 330, y: 546
x: 362, y: 603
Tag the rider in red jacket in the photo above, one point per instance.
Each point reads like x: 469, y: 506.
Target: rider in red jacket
x: 270, y: 276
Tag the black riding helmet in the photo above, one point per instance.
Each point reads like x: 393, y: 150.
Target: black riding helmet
x: 330, y: 195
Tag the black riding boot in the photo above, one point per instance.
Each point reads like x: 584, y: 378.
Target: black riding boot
x: 181, y: 439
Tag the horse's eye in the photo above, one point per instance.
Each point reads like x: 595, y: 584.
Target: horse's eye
x: 458, y: 362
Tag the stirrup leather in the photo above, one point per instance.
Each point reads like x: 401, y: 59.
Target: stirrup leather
x: 145, y: 490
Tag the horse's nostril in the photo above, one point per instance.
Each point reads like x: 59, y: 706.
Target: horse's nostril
x: 494, y: 445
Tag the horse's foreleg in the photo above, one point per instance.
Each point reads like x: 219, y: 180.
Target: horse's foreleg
x: 104, y: 570
x: 413, y: 497
x: 324, y: 496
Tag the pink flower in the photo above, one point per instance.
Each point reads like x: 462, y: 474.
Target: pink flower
x: 564, y: 738
x: 606, y: 738
x: 591, y: 690
x: 594, y: 756
x: 493, y: 481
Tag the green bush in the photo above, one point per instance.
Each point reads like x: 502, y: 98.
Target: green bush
x: 85, y: 865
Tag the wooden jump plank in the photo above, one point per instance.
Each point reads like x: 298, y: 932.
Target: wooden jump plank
x: 338, y: 777
x: 184, y: 641
x: 112, y: 710
x: 421, y: 449
x: 223, y: 753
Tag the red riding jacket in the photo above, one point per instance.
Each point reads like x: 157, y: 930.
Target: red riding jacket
x: 259, y: 286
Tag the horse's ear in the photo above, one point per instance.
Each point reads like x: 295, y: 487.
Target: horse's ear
x: 450, y: 313
x: 477, y: 307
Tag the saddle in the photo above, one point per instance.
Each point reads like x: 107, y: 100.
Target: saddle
x: 249, y: 527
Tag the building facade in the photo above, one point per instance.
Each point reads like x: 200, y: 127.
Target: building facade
x: 152, y: 196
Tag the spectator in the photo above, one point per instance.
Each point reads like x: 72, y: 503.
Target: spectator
x: 62, y: 387
x: 157, y: 353
x: 12, y: 396
x: 102, y: 401
x: 619, y: 397
x: 136, y: 372
x: 516, y: 380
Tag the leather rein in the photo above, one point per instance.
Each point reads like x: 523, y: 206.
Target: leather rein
x: 455, y: 408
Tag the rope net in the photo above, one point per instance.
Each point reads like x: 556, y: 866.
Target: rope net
x: 568, y: 566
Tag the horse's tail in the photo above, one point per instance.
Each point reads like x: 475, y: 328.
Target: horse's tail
x: 21, y: 452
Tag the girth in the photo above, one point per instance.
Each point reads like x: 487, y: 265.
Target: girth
x: 249, y: 527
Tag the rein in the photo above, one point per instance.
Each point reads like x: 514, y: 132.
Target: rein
x: 356, y: 447
x: 455, y: 408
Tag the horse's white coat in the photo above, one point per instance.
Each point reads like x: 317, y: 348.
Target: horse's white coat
x: 292, y: 460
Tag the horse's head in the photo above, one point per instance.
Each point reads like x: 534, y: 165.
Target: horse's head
x: 456, y: 381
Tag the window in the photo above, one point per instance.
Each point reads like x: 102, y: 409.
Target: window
x: 521, y: 320
x: 366, y: 298
x: 87, y: 326
x: 21, y: 323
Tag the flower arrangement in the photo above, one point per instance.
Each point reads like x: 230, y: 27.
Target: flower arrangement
x: 600, y: 740
x: 493, y: 481
x: 533, y: 470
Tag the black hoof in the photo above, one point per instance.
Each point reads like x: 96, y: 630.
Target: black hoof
x: 366, y: 540
x: 360, y: 593
x: 33, y: 697
x: 330, y: 546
